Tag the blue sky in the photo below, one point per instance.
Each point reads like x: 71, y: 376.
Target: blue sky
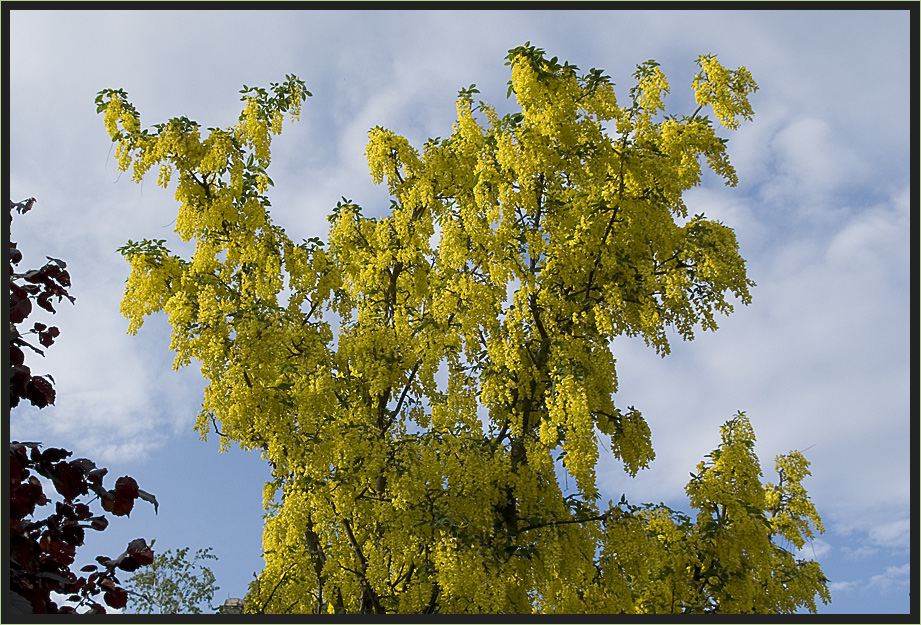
x: 818, y: 361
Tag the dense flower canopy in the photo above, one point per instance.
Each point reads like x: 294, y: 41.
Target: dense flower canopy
x: 416, y: 449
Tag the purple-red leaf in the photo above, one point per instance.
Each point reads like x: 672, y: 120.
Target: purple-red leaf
x: 44, y: 300
x: 69, y: 480
x: 73, y: 534
x: 126, y: 486
x: 85, y: 464
x: 96, y: 475
x: 20, y: 304
x: 122, y: 506
x: 47, y: 338
x: 95, y: 608
x: 35, y: 275
x: 55, y: 454
x: 117, y: 598
x: 119, y: 506
x: 40, y: 392
x: 143, y: 494
x: 19, y: 382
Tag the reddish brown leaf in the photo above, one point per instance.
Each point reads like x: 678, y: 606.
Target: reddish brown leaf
x: 40, y: 392
x: 19, y: 382
x: 122, y: 506
x: 69, y: 480
x: 107, y: 500
x: 117, y: 598
x: 16, y: 356
x: 21, y: 551
x: 44, y: 300
x: 73, y: 534
x: 66, y: 512
x: 141, y: 551
x: 96, y: 475
x: 143, y: 494
x: 35, y: 275
x: 25, y: 497
x: 85, y: 464
x: 59, y: 551
x: 126, y: 486
x: 128, y: 563
x: 20, y: 304
x: 55, y: 454
x: 95, y: 608
x: 17, y: 471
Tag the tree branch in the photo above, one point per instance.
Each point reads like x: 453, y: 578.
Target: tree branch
x: 367, y: 592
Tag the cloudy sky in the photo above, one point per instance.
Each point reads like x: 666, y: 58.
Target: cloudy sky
x: 819, y: 361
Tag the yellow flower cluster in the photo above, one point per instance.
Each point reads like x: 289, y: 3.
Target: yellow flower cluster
x: 148, y: 288
x: 725, y: 90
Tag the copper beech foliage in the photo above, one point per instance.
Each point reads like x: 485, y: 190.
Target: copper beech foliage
x: 43, y: 550
x: 40, y: 286
x: 433, y: 385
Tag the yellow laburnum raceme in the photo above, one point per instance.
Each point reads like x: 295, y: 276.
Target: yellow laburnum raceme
x: 417, y: 450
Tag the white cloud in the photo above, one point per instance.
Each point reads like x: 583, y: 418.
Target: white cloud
x: 892, y: 578
x: 811, y: 161
x: 842, y: 587
x: 887, y: 529
x: 893, y: 535
x: 860, y: 553
x: 815, y: 549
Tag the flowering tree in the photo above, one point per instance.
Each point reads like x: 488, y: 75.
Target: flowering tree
x: 415, y: 452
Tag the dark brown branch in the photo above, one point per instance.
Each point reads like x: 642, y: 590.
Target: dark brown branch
x: 272, y: 594
x: 367, y: 592
x: 396, y: 410
x: 502, y: 433
x: 214, y: 425
x: 382, y: 400
x: 430, y: 608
